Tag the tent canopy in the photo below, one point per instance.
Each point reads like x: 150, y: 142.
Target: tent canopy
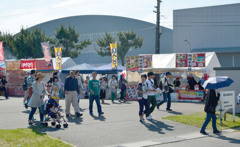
x: 67, y: 62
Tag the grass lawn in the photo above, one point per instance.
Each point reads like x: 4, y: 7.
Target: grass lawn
x: 197, y: 120
x: 28, y: 138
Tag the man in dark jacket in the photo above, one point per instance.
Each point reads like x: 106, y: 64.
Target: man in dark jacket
x: 210, y: 108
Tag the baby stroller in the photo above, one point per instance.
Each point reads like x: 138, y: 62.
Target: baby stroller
x: 56, y: 117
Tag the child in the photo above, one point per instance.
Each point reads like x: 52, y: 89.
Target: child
x: 142, y: 97
x: 55, y: 112
x: 103, y: 88
x: 55, y: 89
x: 113, y: 87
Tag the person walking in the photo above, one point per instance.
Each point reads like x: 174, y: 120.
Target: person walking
x: 142, y: 97
x: 80, y: 85
x: 55, y: 90
x: 71, y: 92
x: 36, y: 99
x: 151, y: 95
x: 113, y: 88
x: 94, y: 86
x: 3, y: 86
x: 86, y: 85
x: 210, y: 108
x: 122, y: 84
x: 25, y: 87
x: 103, y: 88
x: 166, y: 93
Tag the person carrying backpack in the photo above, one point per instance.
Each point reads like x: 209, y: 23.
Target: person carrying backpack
x: 164, y: 85
x: 25, y: 87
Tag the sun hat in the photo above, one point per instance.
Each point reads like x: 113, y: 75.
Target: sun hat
x: 39, y: 75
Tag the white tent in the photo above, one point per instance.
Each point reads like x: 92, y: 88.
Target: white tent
x: 162, y: 63
x: 168, y: 62
x: 83, y: 66
x: 67, y: 62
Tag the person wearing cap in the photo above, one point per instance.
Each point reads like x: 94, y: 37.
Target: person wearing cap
x: 25, y: 87
x: 71, y: 93
x: 36, y: 99
x: 166, y: 93
x: 31, y: 78
x: 151, y: 94
x: 103, y: 88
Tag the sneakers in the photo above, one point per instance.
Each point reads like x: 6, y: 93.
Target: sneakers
x: 78, y: 114
x: 203, y: 132
x: 101, y: 114
x: 217, y: 132
x: 149, y: 117
x: 67, y: 115
x: 169, y: 109
x: 142, y: 120
x: 158, y: 107
x: 30, y: 122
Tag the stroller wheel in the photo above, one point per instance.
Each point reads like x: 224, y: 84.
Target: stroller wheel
x: 65, y: 125
x: 53, y: 123
x: 58, y: 126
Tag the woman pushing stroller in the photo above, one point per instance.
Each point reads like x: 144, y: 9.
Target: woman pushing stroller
x: 36, y: 99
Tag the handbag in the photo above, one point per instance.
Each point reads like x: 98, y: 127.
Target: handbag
x: 30, y: 92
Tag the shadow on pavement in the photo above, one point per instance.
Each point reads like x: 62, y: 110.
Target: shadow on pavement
x: 231, y: 140
x: 101, y: 118
x: 26, y: 111
x: 105, y: 103
x: 175, y: 112
x: 76, y: 120
x: 157, y: 126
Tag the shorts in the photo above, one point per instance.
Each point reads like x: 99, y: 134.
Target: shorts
x: 102, y: 94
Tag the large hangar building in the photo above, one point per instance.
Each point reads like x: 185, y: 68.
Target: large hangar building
x: 94, y: 27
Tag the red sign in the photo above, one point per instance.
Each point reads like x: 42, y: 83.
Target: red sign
x: 190, y: 60
x: 131, y: 93
x: 1, y: 52
x: 132, y: 62
x: 181, y: 60
x: 27, y: 64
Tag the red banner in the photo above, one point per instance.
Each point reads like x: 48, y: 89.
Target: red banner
x: 181, y: 60
x: 1, y: 53
x: 132, y: 62
x: 27, y: 64
x: 190, y: 60
x: 131, y: 93
x: 47, y: 53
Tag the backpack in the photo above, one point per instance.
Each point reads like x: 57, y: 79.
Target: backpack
x: 161, y: 85
x: 25, y: 85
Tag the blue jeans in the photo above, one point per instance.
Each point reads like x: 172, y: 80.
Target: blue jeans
x: 97, y: 99
x: 5, y: 92
x: 167, y: 98
x: 33, y: 110
x: 143, y: 102
x: 208, y: 119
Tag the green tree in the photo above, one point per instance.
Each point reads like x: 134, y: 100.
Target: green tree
x: 68, y: 39
x: 26, y: 44
x: 126, y: 41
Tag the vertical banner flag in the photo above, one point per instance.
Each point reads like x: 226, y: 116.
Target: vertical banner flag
x: 2, y: 63
x: 1, y: 53
x: 47, y: 52
x: 113, y: 47
x: 58, y: 55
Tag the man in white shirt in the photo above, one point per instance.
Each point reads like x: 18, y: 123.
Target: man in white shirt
x: 166, y: 94
x: 151, y: 94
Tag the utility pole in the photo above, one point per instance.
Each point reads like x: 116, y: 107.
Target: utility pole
x: 158, y: 33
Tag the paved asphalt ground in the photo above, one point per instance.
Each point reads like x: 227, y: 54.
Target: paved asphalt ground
x: 120, y: 126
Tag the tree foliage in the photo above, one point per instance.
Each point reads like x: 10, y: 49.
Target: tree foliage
x: 126, y: 41
x: 68, y: 39
x: 26, y: 44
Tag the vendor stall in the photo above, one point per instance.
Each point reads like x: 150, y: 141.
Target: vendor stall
x: 194, y: 66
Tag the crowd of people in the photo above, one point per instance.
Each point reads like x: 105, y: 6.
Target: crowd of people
x: 75, y: 88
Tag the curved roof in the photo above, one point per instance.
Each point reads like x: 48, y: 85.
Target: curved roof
x: 94, y: 27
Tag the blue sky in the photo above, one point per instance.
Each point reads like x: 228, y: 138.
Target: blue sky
x: 17, y: 13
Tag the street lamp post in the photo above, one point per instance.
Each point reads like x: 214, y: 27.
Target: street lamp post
x: 189, y: 44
